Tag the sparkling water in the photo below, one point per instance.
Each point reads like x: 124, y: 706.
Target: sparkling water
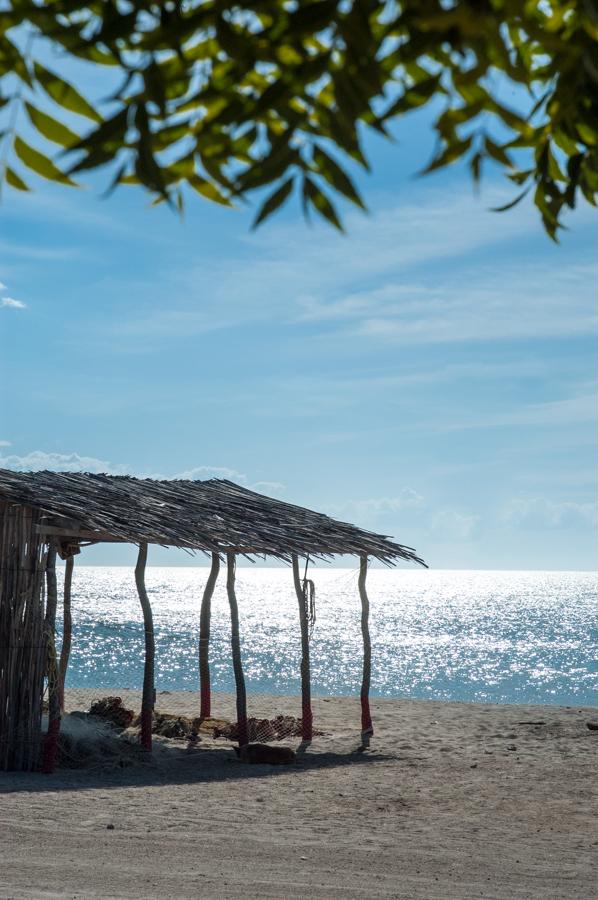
x: 505, y: 637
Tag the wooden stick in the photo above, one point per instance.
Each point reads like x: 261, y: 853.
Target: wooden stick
x: 50, y: 750
x: 67, y: 627
x: 149, y: 691
x: 306, y: 711
x: 366, y: 720
x: 204, y: 639
x: 236, y: 651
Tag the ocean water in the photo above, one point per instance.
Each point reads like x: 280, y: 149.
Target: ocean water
x: 504, y: 637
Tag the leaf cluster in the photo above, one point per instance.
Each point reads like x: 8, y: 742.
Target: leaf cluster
x: 227, y: 99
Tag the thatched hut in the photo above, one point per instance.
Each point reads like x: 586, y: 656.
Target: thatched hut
x: 45, y: 514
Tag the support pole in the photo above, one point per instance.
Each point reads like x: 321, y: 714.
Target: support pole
x: 204, y: 640
x: 367, y: 729
x: 149, y: 692
x: 306, y: 712
x: 50, y: 748
x: 236, y: 651
x: 67, y: 628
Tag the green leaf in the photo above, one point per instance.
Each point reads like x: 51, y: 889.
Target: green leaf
x: 497, y: 153
x: 65, y: 94
x: 50, y: 128
x: 318, y: 199
x: 274, y: 201
x: 208, y: 189
x: 39, y: 163
x: 512, y: 203
x: 14, y: 180
x: 336, y: 177
x: 448, y: 155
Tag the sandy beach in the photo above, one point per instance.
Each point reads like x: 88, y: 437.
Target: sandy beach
x: 451, y: 801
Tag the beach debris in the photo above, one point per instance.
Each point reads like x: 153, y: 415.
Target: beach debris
x: 592, y: 726
x: 88, y: 742
x: 112, y: 710
x: 265, y: 730
x: 171, y: 726
x: 264, y: 754
x: 110, y: 827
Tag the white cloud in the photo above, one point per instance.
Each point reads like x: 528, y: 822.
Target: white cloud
x: 4, y: 443
x: 377, y: 506
x: 452, y: 525
x: 11, y: 303
x: 271, y: 488
x: 3, y: 286
x: 202, y: 472
x: 541, y: 513
x: 59, y: 462
x: 387, y: 281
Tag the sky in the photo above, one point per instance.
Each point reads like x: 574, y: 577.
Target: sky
x: 431, y: 375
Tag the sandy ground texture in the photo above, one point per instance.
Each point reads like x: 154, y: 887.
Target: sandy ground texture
x: 450, y: 801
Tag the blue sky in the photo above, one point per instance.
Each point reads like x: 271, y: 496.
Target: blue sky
x: 432, y: 374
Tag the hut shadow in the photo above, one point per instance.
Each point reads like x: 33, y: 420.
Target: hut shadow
x: 180, y: 766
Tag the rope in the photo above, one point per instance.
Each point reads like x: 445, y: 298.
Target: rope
x: 309, y: 598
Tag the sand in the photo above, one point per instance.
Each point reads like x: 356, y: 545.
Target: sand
x: 451, y: 801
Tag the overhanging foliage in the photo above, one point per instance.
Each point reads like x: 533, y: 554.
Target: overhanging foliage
x: 229, y: 98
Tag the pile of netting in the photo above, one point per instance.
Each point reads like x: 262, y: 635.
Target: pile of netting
x: 171, y: 725
x: 264, y: 730
x: 85, y: 742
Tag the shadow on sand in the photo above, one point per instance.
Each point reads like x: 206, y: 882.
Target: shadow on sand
x: 177, y: 765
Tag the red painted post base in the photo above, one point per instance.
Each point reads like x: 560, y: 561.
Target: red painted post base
x: 50, y: 750
x: 366, y: 719
x: 146, y: 728
x: 307, y: 723
x: 205, y: 709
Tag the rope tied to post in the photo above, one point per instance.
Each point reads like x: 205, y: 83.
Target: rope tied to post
x: 309, y: 598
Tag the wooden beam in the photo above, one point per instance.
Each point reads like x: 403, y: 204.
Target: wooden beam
x: 306, y: 711
x: 236, y: 651
x: 78, y: 534
x: 367, y: 729
x: 149, y: 692
x: 204, y: 639
x: 50, y: 749
x: 67, y: 627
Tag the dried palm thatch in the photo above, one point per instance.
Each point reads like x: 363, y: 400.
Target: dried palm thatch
x: 213, y: 516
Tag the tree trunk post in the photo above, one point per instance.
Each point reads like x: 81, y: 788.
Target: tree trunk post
x: 67, y: 628
x: 236, y: 651
x: 204, y: 640
x: 306, y: 711
x: 50, y: 748
x: 367, y: 729
x: 149, y: 692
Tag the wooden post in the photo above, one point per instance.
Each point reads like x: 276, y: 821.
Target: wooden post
x: 367, y: 729
x: 236, y: 651
x: 67, y: 628
x: 149, y: 692
x: 50, y: 749
x: 204, y: 640
x: 306, y: 712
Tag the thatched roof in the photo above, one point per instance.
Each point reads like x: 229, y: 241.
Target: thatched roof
x: 214, y: 515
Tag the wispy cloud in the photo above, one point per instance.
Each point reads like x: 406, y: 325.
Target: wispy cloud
x: 201, y: 472
x: 4, y: 443
x: 387, y: 282
x: 38, y: 460
x: 539, y: 513
x: 11, y: 303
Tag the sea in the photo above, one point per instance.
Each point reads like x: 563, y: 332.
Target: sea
x: 480, y: 636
